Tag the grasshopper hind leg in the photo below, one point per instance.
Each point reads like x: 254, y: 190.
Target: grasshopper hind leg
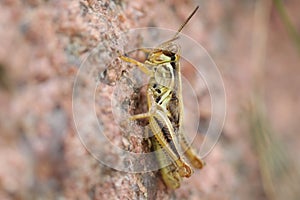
x: 169, y: 174
x: 190, y: 153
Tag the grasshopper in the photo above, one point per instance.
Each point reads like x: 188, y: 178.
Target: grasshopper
x: 165, y: 109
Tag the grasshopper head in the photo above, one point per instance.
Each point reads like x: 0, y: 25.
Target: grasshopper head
x: 162, y: 56
x: 159, y: 57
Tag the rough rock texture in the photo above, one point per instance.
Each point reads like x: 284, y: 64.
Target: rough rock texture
x: 42, y: 44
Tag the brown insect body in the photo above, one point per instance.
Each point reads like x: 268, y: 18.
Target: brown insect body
x: 165, y: 111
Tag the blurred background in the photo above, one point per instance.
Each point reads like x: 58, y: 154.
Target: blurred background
x: 255, y: 44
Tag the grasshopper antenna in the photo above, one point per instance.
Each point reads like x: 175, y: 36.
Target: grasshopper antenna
x: 175, y: 37
x: 186, y: 21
